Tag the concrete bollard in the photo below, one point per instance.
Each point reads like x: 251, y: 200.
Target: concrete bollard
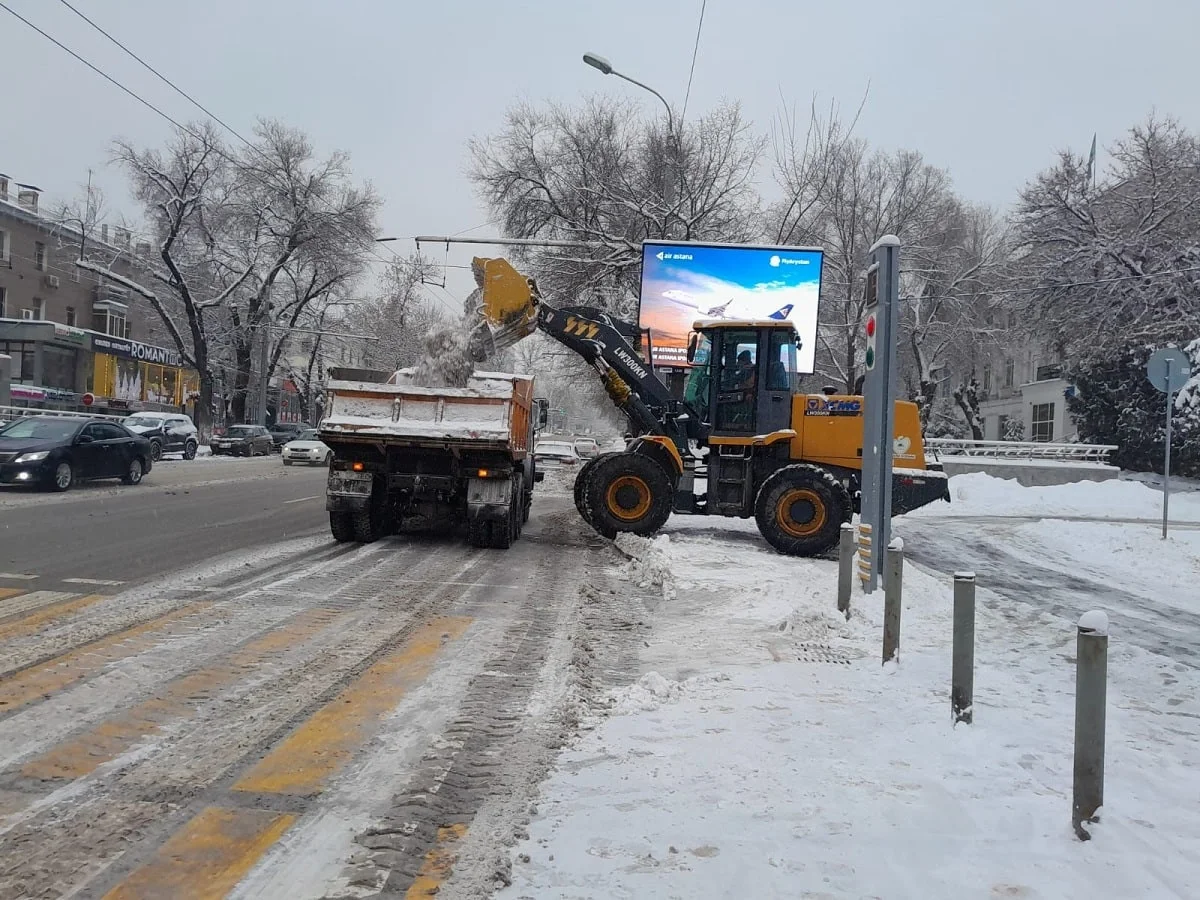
x: 1091, y: 692
x: 893, y: 588
x: 962, y: 674
x: 846, y: 550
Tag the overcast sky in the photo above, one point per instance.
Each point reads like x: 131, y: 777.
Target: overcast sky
x: 988, y: 89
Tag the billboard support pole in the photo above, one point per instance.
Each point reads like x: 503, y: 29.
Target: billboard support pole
x: 879, y: 403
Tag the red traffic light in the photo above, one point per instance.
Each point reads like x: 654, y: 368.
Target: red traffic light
x: 870, y: 326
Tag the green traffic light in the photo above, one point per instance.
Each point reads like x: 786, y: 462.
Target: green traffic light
x: 870, y: 357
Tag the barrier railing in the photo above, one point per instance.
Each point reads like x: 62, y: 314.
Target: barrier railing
x: 8, y: 413
x: 1097, y: 453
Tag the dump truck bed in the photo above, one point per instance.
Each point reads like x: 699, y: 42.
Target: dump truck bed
x: 492, y: 410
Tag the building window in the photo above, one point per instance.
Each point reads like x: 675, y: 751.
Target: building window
x: 1042, y: 422
x: 4, y: 248
x: 1009, y: 373
x: 3, y: 303
x: 39, y: 308
x: 1045, y: 373
x: 1012, y: 320
x: 39, y: 256
x: 71, y: 315
x: 22, y: 353
x: 987, y: 379
x: 58, y: 367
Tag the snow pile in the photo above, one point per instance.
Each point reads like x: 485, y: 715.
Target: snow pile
x: 816, y: 771
x: 979, y: 494
x: 650, y: 562
x: 447, y: 361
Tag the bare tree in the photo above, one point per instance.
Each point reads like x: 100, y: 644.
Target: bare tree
x: 599, y: 174
x: 398, y: 317
x: 1102, y: 265
x: 228, y: 226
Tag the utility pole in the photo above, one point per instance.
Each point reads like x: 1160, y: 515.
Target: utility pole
x: 264, y: 361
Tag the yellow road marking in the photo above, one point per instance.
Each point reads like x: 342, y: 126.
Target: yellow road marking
x: 31, y: 600
x: 180, y: 699
x: 36, y: 682
x: 438, y: 863
x: 207, y: 857
x: 326, y: 741
x: 29, y: 624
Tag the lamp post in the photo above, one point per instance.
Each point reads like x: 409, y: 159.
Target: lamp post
x: 606, y: 68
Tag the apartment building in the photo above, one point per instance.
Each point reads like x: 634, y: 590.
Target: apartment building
x: 71, y: 332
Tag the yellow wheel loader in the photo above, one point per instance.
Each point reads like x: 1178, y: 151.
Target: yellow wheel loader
x: 740, y: 442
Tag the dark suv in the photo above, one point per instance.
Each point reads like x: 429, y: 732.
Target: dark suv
x: 282, y: 432
x: 166, y: 432
x: 243, y: 440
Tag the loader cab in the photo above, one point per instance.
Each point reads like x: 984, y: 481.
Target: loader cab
x: 742, y: 376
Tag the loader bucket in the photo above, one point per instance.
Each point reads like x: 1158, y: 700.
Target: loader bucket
x: 912, y: 490
x: 509, y: 300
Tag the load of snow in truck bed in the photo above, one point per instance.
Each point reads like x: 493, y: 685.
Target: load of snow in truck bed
x: 403, y: 408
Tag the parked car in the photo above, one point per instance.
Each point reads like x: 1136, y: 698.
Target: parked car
x: 554, y: 454
x: 243, y: 440
x: 282, y: 432
x: 307, y: 449
x: 167, y: 432
x: 587, y: 448
x: 54, y: 452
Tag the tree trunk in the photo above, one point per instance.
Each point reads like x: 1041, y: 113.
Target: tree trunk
x: 204, y: 406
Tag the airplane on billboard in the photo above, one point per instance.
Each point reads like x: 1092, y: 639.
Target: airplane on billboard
x: 683, y: 298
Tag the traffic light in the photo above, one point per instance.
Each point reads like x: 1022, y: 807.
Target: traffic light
x: 871, y: 341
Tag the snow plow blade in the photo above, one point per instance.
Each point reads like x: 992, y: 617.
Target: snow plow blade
x: 912, y: 489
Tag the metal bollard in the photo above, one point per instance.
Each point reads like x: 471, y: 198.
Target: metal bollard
x: 893, y: 588
x: 962, y: 675
x: 845, y: 568
x: 1091, y: 690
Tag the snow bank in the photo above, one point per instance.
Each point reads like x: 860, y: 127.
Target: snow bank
x: 765, y: 752
x: 979, y: 494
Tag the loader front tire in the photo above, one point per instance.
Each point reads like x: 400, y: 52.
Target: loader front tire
x: 585, y: 472
x: 800, y: 510
x: 626, y: 492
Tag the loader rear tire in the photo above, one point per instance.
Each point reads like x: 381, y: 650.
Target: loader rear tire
x: 341, y: 526
x: 627, y: 492
x: 800, y: 510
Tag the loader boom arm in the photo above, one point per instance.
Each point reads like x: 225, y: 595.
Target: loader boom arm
x: 513, y: 308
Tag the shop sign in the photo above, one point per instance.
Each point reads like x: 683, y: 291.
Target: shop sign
x: 135, y: 350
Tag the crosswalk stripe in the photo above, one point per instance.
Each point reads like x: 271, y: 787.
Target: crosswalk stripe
x: 97, y: 581
x: 35, y: 683
x: 29, y: 624
x: 207, y: 857
x: 24, y: 602
x: 438, y: 863
x: 327, y: 740
x: 14, y: 577
x: 179, y: 699
x: 10, y: 592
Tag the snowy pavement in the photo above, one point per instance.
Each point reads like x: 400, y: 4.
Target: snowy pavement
x: 766, y: 752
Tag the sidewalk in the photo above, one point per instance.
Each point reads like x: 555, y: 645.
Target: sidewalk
x: 766, y: 752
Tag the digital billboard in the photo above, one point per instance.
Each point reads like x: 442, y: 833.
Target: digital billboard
x: 683, y: 282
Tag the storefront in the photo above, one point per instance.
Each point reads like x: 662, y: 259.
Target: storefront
x: 54, y: 365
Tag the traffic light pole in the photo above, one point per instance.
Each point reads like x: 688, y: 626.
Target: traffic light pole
x: 879, y: 401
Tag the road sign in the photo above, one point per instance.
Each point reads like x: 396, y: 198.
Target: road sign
x: 1168, y: 369
x: 89, y: 399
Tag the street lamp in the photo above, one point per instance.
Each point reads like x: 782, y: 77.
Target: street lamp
x: 606, y: 68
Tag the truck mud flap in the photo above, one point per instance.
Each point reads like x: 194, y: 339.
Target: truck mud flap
x: 912, y: 490
x: 489, y: 498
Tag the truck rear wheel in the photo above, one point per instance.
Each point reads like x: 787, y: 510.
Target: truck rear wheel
x: 341, y: 526
x: 627, y: 492
x: 800, y: 510
x: 479, y: 534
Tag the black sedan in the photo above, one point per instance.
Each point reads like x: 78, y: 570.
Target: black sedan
x: 54, y: 452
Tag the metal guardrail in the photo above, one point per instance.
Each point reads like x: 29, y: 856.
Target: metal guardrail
x: 8, y: 413
x: 1096, y: 453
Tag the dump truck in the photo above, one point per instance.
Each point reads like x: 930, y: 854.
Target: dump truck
x: 408, y: 457
x: 741, y: 442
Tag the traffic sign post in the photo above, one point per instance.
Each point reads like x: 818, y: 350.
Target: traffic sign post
x: 879, y: 403
x: 1168, y: 370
